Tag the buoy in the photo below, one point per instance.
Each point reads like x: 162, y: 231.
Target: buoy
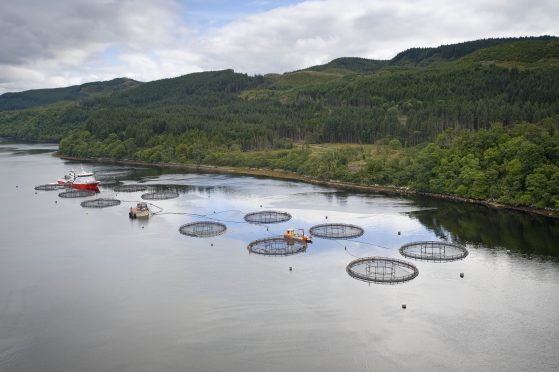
x: 290, y: 268
x: 35, y: 192
x: 399, y: 233
x: 142, y: 227
x: 260, y: 205
x: 404, y: 306
x: 212, y: 244
x: 326, y: 217
x: 461, y: 275
x: 17, y: 186
x: 56, y: 201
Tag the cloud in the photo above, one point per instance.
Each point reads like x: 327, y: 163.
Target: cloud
x: 62, y: 42
x: 318, y: 31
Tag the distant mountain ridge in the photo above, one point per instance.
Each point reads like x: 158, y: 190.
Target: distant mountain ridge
x: 528, y: 49
x: 350, y: 64
x: 42, y: 97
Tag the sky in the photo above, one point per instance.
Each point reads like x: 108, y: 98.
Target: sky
x: 55, y: 43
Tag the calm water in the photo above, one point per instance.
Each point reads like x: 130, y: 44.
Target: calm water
x: 90, y: 290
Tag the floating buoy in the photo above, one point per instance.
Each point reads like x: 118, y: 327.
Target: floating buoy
x: 399, y: 233
x: 290, y: 268
x: 461, y: 275
x: 212, y: 244
x: 404, y: 306
x: 56, y: 201
x: 260, y: 205
x: 326, y: 217
x: 142, y: 227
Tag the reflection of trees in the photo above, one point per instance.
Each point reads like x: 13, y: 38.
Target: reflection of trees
x: 339, y: 197
x: 155, y: 173
x: 468, y: 223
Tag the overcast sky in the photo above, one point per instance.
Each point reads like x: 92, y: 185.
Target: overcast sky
x: 55, y: 43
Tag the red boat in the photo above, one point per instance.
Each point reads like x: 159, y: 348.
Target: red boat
x: 83, y: 180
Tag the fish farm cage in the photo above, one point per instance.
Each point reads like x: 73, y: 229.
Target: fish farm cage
x: 100, y: 203
x: 382, y: 270
x: 109, y: 182
x: 160, y: 195
x: 130, y: 188
x: 203, y: 229
x: 277, y: 246
x: 336, y: 231
x: 49, y: 187
x: 76, y: 193
x: 265, y: 217
x: 434, y: 251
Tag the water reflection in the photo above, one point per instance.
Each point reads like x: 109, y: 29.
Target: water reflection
x: 492, y: 228
x: 27, y: 151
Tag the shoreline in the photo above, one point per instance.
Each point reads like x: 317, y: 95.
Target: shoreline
x: 291, y: 176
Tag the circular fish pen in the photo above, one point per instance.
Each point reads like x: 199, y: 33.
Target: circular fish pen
x: 276, y: 246
x: 109, y: 183
x: 382, y: 270
x: 336, y: 231
x: 203, y: 229
x: 76, y: 193
x: 434, y: 251
x: 100, y: 203
x: 49, y: 187
x: 265, y: 217
x: 160, y: 195
x: 130, y: 188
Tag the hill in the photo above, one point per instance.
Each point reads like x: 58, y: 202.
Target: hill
x: 350, y: 65
x: 524, y: 47
x: 42, y: 97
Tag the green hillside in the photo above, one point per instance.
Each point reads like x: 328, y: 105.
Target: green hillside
x: 509, y: 49
x: 453, y: 119
x: 42, y: 97
x: 347, y: 65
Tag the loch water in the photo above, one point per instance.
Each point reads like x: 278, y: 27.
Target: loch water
x: 91, y: 290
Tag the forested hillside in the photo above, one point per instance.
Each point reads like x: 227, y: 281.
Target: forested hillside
x: 42, y: 97
x: 429, y: 114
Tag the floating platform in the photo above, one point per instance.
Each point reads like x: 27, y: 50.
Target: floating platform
x: 130, y: 188
x: 266, y: 217
x: 49, y: 187
x: 76, y: 193
x: 336, y: 231
x: 203, y: 229
x: 277, y: 246
x: 160, y: 195
x: 100, y: 203
x: 437, y: 251
x: 382, y: 270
